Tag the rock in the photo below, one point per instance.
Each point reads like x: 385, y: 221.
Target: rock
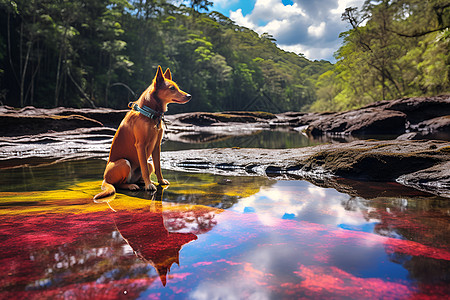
x: 44, y: 148
x: 298, y: 119
x: 360, y: 160
x: 383, y: 117
x: 375, y: 161
x: 418, y: 109
x: 206, y: 119
x: 436, y: 128
x: 107, y: 116
x: 410, y: 136
x: 435, y: 125
x: 31, y: 120
x: 256, y: 114
x: 372, y: 190
x: 15, y: 124
x: 199, y: 119
x: 435, y: 179
x: 368, y: 121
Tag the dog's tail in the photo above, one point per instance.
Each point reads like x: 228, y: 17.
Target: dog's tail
x: 108, y: 190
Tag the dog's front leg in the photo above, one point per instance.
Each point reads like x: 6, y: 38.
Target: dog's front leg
x: 142, y: 156
x: 156, y: 156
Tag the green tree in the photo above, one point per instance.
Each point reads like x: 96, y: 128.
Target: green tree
x: 401, y: 50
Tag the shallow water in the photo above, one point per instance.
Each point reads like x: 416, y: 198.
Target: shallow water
x: 214, y: 237
x: 270, y: 139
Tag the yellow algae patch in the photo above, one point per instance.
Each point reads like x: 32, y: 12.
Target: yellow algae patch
x: 189, y: 191
x: 75, y: 199
x: 208, y: 184
x: 203, y: 189
x: 242, y: 191
x: 125, y: 202
x: 78, y: 199
x: 78, y: 191
x: 195, y: 184
x: 12, y: 194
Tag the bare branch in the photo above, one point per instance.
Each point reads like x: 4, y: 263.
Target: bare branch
x: 418, y: 34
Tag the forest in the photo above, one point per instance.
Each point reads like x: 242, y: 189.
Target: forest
x: 104, y: 53
x: 394, y: 49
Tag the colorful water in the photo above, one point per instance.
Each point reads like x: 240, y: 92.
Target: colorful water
x: 214, y: 237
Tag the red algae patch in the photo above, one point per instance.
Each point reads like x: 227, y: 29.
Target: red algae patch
x: 279, y: 239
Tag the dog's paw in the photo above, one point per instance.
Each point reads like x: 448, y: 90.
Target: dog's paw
x: 151, y: 187
x: 133, y: 187
x: 164, y: 182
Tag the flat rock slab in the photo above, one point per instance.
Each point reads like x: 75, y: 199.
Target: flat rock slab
x: 107, y: 116
x: 381, y: 161
x: 44, y: 148
x: 31, y: 120
x: 14, y: 124
x: 367, y: 121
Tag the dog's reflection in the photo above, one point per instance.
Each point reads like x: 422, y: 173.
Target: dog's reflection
x: 148, y: 237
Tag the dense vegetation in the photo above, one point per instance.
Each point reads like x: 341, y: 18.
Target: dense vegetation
x: 100, y: 52
x: 95, y: 53
x: 403, y: 49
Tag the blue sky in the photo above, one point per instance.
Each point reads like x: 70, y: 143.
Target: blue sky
x: 310, y: 27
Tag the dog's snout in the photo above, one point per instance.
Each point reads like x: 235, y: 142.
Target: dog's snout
x: 188, y: 96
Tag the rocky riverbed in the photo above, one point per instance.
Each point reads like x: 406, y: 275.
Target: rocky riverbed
x: 424, y: 165
x: 417, y: 153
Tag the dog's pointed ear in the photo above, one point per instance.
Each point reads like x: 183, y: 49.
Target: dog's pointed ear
x: 159, y: 78
x: 168, y: 74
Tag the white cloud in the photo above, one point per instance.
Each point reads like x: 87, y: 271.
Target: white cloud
x: 268, y: 10
x: 237, y: 17
x: 263, y: 203
x: 317, y: 191
x: 274, y: 27
x: 300, y: 200
x: 317, y: 31
x: 343, y: 4
x: 308, y: 27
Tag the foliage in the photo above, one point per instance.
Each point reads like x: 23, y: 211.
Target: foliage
x: 97, y: 53
x: 105, y: 52
x: 401, y: 50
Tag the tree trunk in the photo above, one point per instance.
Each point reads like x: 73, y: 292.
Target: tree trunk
x: 108, y: 82
x: 80, y: 89
x: 58, y: 70
x: 9, y: 48
x: 23, y: 75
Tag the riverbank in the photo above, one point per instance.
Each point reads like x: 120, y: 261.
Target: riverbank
x: 408, y: 118
x: 33, y: 136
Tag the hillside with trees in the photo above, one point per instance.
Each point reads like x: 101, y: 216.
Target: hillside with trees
x: 105, y: 53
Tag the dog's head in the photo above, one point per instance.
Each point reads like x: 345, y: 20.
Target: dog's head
x: 168, y: 91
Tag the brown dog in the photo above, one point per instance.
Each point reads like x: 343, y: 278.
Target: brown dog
x: 139, y: 136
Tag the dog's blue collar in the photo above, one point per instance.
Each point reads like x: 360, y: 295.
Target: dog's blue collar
x: 147, y: 111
